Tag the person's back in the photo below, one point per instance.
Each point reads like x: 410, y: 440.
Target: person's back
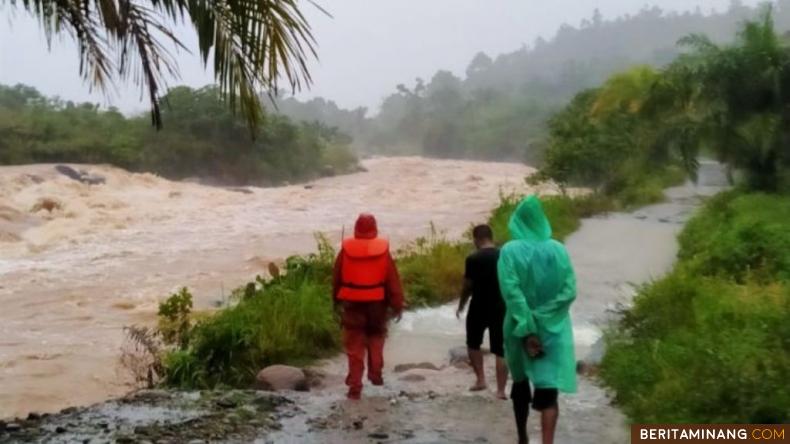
x: 538, y: 286
x: 367, y: 289
x: 481, y: 270
x: 487, y: 310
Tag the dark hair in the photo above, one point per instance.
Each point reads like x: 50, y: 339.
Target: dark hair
x: 482, y: 232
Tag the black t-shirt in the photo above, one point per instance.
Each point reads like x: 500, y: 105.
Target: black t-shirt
x: 481, y: 270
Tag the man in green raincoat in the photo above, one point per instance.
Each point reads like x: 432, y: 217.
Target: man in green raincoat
x: 538, y: 286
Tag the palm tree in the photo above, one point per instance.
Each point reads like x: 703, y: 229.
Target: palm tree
x: 253, y: 43
x: 734, y: 101
x: 626, y: 91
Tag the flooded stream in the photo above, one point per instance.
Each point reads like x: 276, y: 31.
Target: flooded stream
x: 79, y: 261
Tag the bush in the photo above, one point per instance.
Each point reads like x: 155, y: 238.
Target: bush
x: 702, y: 350
x: 432, y: 269
x: 740, y: 236
x: 710, y: 342
x: 288, y: 319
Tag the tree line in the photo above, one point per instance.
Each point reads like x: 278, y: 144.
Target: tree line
x: 202, y: 138
x: 501, y: 107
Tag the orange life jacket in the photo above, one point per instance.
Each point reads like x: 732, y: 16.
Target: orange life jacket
x: 364, y: 270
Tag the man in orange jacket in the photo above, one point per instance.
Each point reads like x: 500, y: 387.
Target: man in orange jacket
x: 367, y: 288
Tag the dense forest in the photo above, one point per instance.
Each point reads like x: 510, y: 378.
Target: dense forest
x: 500, y: 108
x: 202, y: 138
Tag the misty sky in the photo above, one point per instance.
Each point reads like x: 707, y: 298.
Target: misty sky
x: 365, y: 49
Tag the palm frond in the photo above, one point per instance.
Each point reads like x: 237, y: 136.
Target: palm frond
x: 254, y: 43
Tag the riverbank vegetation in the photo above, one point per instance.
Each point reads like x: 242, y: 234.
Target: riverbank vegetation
x: 202, y: 139
x: 710, y: 342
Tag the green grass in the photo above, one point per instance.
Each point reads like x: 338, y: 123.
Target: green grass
x: 710, y: 342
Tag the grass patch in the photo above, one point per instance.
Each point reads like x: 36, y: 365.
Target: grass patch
x: 710, y: 342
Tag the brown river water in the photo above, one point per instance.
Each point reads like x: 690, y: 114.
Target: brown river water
x: 101, y: 256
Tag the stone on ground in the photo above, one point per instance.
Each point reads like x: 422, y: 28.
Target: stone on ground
x: 282, y: 377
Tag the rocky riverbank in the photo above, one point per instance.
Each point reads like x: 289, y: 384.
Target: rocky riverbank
x: 157, y: 416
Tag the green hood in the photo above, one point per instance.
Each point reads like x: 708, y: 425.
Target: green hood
x: 529, y: 222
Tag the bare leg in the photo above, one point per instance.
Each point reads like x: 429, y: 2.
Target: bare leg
x: 548, y: 423
x: 476, y: 358
x: 501, y: 377
x: 521, y: 396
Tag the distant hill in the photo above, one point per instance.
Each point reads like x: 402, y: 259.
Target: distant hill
x: 498, y: 110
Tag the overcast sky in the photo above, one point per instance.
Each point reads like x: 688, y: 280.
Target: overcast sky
x: 365, y: 48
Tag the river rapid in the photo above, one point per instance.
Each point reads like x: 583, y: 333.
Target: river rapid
x: 78, y: 262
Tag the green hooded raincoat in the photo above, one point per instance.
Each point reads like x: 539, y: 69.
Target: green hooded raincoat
x: 538, y: 286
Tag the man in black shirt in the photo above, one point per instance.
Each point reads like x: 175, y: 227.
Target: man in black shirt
x: 487, y: 309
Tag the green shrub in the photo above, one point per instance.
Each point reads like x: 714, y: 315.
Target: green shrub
x: 702, y: 350
x: 288, y: 319
x: 431, y: 270
x: 740, y: 236
x: 174, y: 318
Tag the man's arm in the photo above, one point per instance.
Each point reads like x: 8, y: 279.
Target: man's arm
x: 337, y: 279
x: 394, y: 289
x: 466, y: 293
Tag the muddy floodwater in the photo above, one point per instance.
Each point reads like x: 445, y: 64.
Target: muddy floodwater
x: 79, y: 261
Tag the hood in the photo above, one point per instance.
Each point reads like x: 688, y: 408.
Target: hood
x: 529, y: 222
x: 366, y: 227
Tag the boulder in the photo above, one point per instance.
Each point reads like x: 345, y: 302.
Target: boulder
x: 80, y: 176
x: 400, y: 368
x: 281, y: 377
